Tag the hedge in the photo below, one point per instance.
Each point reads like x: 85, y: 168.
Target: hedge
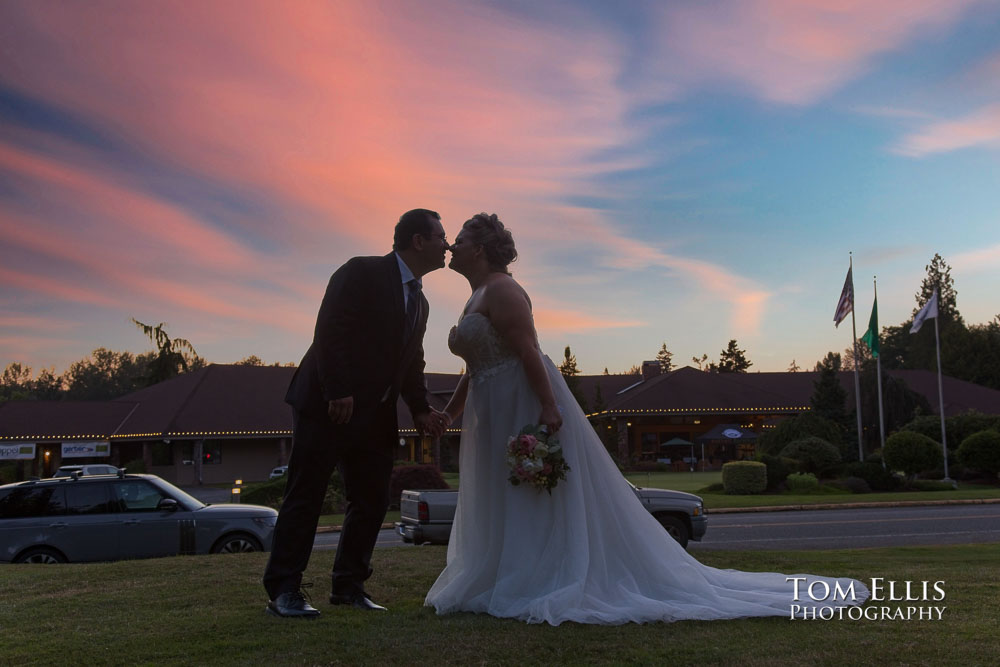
x: 413, y: 478
x: 911, y: 452
x: 742, y: 478
x: 814, y: 455
x: 981, y: 451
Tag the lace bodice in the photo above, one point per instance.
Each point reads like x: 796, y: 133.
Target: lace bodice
x: 478, y: 343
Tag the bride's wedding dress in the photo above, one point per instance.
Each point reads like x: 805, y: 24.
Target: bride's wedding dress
x: 589, y: 552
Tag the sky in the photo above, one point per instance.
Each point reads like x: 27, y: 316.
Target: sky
x: 682, y: 172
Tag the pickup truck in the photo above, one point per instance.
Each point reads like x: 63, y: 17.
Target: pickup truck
x: 426, y: 516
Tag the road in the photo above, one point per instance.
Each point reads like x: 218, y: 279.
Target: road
x: 824, y: 529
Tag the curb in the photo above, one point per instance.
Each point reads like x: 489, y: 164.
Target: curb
x: 337, y: 529
x: 791, y: 508
x: 850, y: 506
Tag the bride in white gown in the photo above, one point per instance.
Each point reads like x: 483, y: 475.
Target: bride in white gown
x: 589, y: 552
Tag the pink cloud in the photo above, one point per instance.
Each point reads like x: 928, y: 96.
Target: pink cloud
x: 981, y: 128
x: 790, y: 51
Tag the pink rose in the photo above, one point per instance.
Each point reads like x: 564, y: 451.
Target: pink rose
x: 547, y: 469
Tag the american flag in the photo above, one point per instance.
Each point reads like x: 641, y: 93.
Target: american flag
x: 846, y: 303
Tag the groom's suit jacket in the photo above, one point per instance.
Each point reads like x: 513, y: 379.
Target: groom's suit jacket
x: 360, y: 348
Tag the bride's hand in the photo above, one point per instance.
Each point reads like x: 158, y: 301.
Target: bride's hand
x: 550, y: 418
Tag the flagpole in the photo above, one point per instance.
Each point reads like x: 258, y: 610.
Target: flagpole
x: 857, y: 381
x: 944, y: 437
x: 878, y: 374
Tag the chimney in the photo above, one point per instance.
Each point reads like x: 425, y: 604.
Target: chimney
x: 650, y: 369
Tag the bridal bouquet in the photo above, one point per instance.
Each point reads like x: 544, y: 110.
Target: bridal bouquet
x: 535, y: 458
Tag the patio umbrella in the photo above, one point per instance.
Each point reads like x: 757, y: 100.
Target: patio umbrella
x: 682, y: 441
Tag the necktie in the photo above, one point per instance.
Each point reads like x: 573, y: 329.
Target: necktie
x: 412, y: 306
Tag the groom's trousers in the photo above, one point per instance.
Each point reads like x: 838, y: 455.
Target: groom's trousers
x: 365, y: 464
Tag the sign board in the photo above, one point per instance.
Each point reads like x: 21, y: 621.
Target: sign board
x: 732, y: 433
x: 17, y: 451
x: 75, y: 450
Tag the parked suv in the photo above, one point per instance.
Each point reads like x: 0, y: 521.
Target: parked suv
x: 112, y: 517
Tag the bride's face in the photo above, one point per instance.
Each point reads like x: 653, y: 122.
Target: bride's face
x: 463, y: 253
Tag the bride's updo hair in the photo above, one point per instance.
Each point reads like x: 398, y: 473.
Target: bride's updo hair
x: 487, y: 231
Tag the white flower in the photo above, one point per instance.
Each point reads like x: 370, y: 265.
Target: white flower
x: 540, y: 450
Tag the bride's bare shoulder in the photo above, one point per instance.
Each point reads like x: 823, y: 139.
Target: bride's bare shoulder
x: 503, y: 289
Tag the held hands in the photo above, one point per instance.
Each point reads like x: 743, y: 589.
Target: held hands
x: 432, y: 423
x: 341, y: 409
x: 550, y: 418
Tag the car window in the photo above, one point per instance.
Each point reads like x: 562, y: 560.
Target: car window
x: 137, y: 495
x: 33, y: 501
x: 87, y: 499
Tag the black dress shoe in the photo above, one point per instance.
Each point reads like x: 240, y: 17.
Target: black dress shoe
x: 292, y: 604
x: 358, y: 600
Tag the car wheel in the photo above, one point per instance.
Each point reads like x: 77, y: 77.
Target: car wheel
x: 676, y: 527
x: 236, y: 544
x: 42, y: 555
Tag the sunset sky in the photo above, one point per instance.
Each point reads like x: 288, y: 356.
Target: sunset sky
x: 687, y: 171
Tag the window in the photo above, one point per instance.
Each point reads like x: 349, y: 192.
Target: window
x: 137, y: 496
x: 163, y: 454
x: 33, y: 501
x: 87, y: 499
x: 212, y: 453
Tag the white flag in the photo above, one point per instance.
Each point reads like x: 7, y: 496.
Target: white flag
x: 929, y: 310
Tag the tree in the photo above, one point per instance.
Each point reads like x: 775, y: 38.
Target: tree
x: 569, y: 372
x: 700, y: 362
x: 733, y: 359
x: 794, y: 367
x: 939, y: 278
x: 665, y: 358
x: 900, y: 404
x: 16, y: 383
x: 252, y: 360
x: 832, y: 359
x: 568, y: 366
x: 106, y: 374
x: 170, y: 359
x: 635, y: 370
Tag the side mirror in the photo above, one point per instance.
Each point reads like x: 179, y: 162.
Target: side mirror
x: 167, y: 505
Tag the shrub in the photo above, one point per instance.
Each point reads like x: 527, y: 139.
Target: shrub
x: 814, y: 454
x: 858, y: 485
x: 877, y: 477
x: 414, y: 477
x: 742, y: 478
x: 800, y: 426
x: 264, y: 493
x: 911, y: 452
x: 981, y: 451
x: 778, y: 469
x: 270, y: 494
x: 134, y: 466
x: 718, y: 487
x: 799, y: 482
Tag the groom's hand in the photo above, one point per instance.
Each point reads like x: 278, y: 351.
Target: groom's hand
x: 341, y: 409
x: 429, y: 423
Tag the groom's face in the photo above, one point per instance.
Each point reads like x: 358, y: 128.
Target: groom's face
x: 434, y: 246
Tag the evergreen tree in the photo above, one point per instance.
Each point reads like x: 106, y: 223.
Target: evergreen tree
x: 829, y: 398
x: 665, y: 358
x: 173, y: 356
x: 700, y: 362
x: 794, y: 367
x: 832, y: 359
x: 569, y: 372
x: 733, y: 360
x: 939, y: 278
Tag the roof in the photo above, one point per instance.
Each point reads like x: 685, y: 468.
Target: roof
x: 221, y: 401
x: 61, y: 420
x: 727, y: 433
x: 689, y: 390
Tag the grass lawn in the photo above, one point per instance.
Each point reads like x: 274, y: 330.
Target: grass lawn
x: 209, y: 610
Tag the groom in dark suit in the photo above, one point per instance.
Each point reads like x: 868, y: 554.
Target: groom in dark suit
x: 367, y: 350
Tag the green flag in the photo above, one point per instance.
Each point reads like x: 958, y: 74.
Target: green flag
x: 871, y: 336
